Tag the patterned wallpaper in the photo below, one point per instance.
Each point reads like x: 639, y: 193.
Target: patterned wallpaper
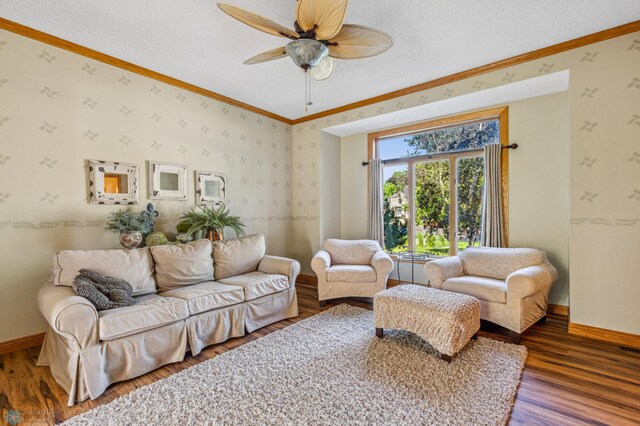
x: 59, y: 109
x: 604, y: 171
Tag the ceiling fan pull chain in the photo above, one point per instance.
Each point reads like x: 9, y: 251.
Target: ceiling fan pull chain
x: 307, y: 92
x: 309, y: 103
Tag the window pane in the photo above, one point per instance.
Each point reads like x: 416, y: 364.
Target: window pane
x: 464, y: 137
x: 470, y: 186
x: 432, y: 208
x: 395, y: 208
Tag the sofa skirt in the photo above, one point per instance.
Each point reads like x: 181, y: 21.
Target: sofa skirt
x: 87, y: 373
x: 215, y: 326
x: 271, y: 308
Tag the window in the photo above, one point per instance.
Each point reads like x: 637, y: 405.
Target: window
x: 434, y: 181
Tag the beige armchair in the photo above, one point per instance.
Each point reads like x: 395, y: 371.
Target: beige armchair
x: 512, y: 284
x: 356, y: 268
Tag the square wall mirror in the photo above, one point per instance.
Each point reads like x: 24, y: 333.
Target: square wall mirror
x: 211, y: 188
x: 112, y: 182
x: 116, y: 183
x: 167, y: 181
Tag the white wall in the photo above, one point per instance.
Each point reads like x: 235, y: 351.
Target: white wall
x: 538, y: 185
x: 539, y: 182
x: 353, y: 184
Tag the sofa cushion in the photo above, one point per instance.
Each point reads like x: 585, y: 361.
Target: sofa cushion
x: 134, y: 266
x: 150, y: 312
x: 178, y: 265
x: 351, y: 274
x: 487, y: 289
x: 238, y: 256
x: 258, y: 284
x: 207, y: 296
x: 498, y: 263
x: 351, y: 252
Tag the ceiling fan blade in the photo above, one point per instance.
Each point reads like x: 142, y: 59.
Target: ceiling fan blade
x: 327, y: 15
x: 258, y: 22
x: 357, y: 41
x: 324, y: 69
x: 270, y: 55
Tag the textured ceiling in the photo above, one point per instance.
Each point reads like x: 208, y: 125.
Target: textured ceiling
x: 195, y: 42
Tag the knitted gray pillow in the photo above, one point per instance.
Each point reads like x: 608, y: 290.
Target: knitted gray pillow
x: 104, y: 292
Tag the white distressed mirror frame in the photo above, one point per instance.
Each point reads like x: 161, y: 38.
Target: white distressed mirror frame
x: 155, y: 192
x: 202, y: 177
x: 97, y: 170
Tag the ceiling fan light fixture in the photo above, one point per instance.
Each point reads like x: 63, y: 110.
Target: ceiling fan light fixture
x: 320, y: 36
x: 306, y: 53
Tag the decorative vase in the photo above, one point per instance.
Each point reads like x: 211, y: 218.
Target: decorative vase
x: 130, y: 240
x: 215, y: 235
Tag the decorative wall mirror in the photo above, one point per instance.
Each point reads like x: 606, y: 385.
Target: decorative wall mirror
x: 211, y: 188
x: 112, y: 182
x: 167, y: 181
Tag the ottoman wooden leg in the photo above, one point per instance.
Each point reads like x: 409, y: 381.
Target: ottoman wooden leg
x: 515, y: 337
x: 445, y: 357
x: 475, y: 336
x: 379, y: 332
x: 322, y: 303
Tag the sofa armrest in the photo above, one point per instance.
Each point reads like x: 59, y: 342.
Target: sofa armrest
x: 70, y: 315
x: 321, y: 262
x: 439, y: 270
x: 530, y: 280
x: 280, y: 265
x: 382, y: 263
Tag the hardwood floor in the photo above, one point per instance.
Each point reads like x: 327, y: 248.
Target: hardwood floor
x: 567, y: 380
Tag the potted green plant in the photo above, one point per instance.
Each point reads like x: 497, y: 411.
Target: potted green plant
x: 181, y: 232
x: 131, y: 226
x: 210, y: 220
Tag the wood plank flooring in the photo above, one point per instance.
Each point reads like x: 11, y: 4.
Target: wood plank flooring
x: 567, y: 380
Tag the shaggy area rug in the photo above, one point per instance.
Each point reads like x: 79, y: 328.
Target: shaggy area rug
x: 330, y: 369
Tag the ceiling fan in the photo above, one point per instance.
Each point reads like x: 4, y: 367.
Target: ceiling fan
x: 319, y: 37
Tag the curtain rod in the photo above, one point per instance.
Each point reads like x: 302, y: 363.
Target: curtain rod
x: 511, y: 146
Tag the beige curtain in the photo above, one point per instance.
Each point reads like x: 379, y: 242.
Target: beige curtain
x: 492, y: 220
x: 376, y: 214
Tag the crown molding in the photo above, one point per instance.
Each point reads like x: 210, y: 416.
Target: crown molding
x: 621, y: 30
x: 43, y: 37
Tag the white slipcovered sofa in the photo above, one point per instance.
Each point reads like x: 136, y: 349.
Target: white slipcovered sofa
x: 512, y: 284
x: 351, y: 268
x: 189, y: 296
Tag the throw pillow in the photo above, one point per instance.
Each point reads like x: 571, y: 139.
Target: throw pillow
x: 238, y: 256
x: 134, y: 266
x: 178, y: 265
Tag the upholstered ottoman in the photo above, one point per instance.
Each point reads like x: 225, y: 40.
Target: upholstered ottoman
x: 444, y: 319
